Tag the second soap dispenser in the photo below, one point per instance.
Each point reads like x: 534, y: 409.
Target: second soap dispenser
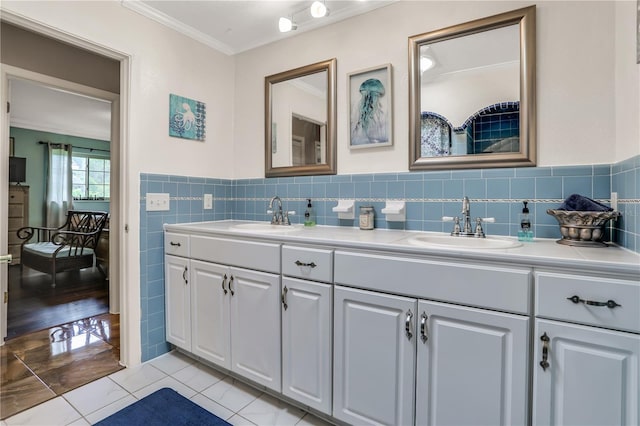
x: 309, y: 214
x: 525, y: 233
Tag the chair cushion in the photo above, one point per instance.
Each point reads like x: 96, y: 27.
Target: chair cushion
x: 47, y: 250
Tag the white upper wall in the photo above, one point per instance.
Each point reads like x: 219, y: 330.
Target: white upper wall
x: 578, y: 61
x: 162, y: 62
x: 627, y: 78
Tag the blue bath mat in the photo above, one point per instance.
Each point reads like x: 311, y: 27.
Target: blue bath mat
x: 163, y: 407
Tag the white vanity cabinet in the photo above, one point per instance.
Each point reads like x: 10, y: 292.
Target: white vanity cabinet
x: 374, y: 357
x: 472, y: 366
x: 392, y: 350
x: 367, y: 330
x: 228, y: 315
x: 307, y: 325
x: 177, y: 301
x: 587, y: 350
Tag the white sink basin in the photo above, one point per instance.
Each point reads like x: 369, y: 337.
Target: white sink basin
x: 463, y: 242
x: 265, y: 228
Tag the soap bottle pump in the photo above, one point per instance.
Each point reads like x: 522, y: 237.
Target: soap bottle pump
x: 525, y: 233
x: 309, y: 214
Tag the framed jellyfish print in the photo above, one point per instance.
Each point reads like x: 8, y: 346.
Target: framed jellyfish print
x: 370, y: 107
x: 186, y: 118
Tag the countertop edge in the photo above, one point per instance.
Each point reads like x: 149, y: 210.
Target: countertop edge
x: 574, y: 258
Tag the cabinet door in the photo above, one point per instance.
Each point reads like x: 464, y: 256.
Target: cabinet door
x: 255, y: 326
x: 472, y: 366
x: 177, y: 301
x: 210, y: 312
x: 374, y: 357
x: 306, y: 343
x: 592, y: 376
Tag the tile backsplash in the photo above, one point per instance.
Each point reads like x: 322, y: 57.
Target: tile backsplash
x: 496, y: 193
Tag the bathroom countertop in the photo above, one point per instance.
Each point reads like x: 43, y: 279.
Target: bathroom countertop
x: 540, y: 252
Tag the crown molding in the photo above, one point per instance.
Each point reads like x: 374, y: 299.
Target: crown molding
x: 166, y: 20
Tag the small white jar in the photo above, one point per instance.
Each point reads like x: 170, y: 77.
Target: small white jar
x: 366, y: 217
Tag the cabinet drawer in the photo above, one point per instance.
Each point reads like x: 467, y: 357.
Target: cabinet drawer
x: 553, y: 291
x: 308, y: 263
x: 486, y: 286
x: 247, y: 254
x: 16, y: 197
x: 16, y: 210
x: 15, y: 223
x: 176, y: 244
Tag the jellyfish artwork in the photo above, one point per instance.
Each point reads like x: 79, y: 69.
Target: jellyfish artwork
x: 369, y: 123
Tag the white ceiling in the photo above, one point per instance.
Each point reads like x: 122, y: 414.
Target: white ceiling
x: 38, y: 107
x: 238, y: 25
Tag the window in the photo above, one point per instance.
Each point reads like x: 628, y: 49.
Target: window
x: 90, y: 177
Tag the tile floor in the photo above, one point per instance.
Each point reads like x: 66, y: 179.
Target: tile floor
x: 37, y: 367
x: 222, y: 395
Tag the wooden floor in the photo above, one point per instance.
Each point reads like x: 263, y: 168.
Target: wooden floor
x: 39, y: 366
x: 34, y: 305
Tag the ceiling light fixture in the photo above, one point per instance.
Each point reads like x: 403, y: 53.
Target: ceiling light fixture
x: 318, y: 9
x: 285, y: 25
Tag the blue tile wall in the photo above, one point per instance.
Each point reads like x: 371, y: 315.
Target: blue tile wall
x: 430, y: 195
x: 494, y: 193
x: 186, y: 205
x: 625, y: 180
x: 492, y: 128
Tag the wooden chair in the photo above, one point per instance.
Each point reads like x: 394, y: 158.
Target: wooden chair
x: 71, y: 246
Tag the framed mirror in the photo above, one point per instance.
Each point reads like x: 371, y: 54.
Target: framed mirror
x: 300, y: 121
x: 472, y: 94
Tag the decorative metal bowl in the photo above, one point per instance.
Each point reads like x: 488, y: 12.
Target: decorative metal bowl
x: 579, y: 228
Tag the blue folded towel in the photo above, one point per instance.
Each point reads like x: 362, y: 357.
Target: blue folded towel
x: 576, y: 202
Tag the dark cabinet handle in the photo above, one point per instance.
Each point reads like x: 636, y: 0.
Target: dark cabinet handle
x: 224, y: 281
x: 231, y: 286
x: 312, y: 264
x: 545, y: 351
x: 609, y: 303
x: 284, y: 298
x: 407, y: 324
x: 175, y: 244
x: 184, y: 276
x: 423, y: 327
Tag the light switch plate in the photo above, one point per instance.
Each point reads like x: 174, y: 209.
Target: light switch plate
x: 208, y: 201
x: 157, y: 202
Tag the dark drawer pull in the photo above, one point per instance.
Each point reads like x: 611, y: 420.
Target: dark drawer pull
x: 609, y: 303
x: 175, y: 244
x: 545, y: 352
x: 312, y: 264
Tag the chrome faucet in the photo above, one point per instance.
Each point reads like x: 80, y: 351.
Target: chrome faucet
x: 279, y: 217
x: 276, y: 219
x: 466, y: 216
x: 465, y: 230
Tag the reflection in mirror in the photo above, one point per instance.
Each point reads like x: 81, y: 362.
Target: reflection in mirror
x: 472, y: 94
x: 300, y: 121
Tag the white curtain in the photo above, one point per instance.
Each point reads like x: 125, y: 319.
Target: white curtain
x: 59, y: 200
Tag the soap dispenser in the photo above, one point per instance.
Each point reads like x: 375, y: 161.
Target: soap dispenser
x: 525, y: 233
x: 309, y: 214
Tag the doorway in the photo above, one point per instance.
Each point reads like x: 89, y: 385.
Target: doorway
x: 45, y: 118
x: 81, y: 306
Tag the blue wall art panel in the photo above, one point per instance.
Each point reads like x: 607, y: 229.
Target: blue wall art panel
x: 186, y: 118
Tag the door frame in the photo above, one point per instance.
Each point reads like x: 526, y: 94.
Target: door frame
x: 121, y: 296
